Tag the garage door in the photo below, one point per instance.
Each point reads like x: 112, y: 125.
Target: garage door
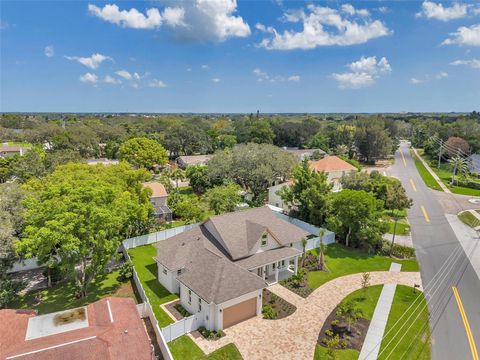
x: 239, y: 312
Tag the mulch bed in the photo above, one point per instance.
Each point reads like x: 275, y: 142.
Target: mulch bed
x: 282, y: 307
x: 302, y: 289
x: 171, y: 308
x: 354, y: 338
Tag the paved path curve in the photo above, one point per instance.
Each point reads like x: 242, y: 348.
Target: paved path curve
x: 295, y: 337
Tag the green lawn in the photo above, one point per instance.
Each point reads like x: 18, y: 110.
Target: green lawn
x: 347, y: 354
x: 184, y: 348
x: 469, y: 219
x: 146, y: 267
x: 62, y: 296
x: 428, y: 179
x: 342, y: 261
x: 402, y: 228
x: 416, y: 342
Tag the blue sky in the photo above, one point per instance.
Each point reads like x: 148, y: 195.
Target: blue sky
x: 227, y: 56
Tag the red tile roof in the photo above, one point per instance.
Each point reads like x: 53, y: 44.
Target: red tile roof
x: 331, y: 163
x: 124, y: 338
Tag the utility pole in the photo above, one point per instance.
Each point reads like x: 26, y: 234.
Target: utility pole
x: 455, y: 168
x: 440, y: 153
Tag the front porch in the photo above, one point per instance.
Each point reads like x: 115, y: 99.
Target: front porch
x: 277, y: 271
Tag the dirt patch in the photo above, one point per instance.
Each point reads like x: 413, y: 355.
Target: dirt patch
x: 353, y: 339
x: 128, y: 289
x: 69, y: 316
x: 279, y: 307
x: 153, y: 338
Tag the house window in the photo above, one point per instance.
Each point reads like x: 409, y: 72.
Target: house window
x: 264, y: 240
x: 165, y: 270
x: 190, y: 297
x: 283, y: 263
x: 274, y: 265
x: 199, y: 304
x: 179, y: 271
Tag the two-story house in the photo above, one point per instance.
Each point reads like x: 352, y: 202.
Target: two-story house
x: 158, y: 199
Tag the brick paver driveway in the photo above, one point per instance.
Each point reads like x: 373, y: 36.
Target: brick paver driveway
x: 295, y: 337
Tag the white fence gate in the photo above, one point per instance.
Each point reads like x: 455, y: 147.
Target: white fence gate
x: 180, y: 327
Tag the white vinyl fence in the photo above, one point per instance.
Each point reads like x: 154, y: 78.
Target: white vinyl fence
x: 23, y: 265
x: 180, y: 327
x: 145, y: 310
x: 156, y: 236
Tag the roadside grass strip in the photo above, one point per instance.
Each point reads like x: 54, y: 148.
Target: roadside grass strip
x: 428, y: 179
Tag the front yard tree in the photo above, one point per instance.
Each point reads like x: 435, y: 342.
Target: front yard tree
x: 355, y: 217
x: 79, y: 215
x: 224, y: 198
x: 307, y: 196
x: 321, y: 252
x: 143, y: 153
x: 372, y: 139
x: 198, y: 179
x: 190, y: 209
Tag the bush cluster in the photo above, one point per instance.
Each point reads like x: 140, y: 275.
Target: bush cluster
x: 398, y: 251
x: 184, y: 312
x: 211, y: 334
x: 125, y: 272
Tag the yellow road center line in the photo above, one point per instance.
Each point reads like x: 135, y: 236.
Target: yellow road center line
x: 403, y: 158
x: 425, y: 215
x: 413, y: 185
x: 471, y: 341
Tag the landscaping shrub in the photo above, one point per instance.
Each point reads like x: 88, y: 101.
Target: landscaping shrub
x: 468, y: 183
x: 184, y: 312
x: 210, y: 334
x: 56, y: 274
x: 125, y: 271
x: 398, y: 251
x: 268, y: 312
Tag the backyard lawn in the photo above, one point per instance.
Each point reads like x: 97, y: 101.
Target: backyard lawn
x: 185, y: 348
x: 341, y: 261
x: 415, y: 343
x: 402, y: 227
x: 469, y: 219
x: 146, y: 267
x: 62, y: 296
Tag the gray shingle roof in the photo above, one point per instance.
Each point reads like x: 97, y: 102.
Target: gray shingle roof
x: 240, y: 231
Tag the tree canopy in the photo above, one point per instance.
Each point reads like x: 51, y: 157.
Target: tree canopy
x: 143, y: 153
x: 224, y: 198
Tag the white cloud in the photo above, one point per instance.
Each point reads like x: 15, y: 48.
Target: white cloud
x: 92, y: 62
x: 111, y: 80
x: 350, y: 10
x: 127, y: 18
x: 89, y: 78
x: 155, y: 83
x: 473, y: 63
x: 383, y: 9
x: 190, y: 19
x: 49, y: 51
x: 264, y: 76
x: 324, y: 26
x: 416, y: 81
x: 441, y: 75
x: 216, y: 80
x: 364, y: 73
x: 431, y: 10
x: 204, y: 67
x: 124, y: 74
x: 465, y: 36
x: 476, y: 11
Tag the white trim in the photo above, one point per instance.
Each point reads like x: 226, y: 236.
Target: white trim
x: 110, y: 311
x: 50, y: 347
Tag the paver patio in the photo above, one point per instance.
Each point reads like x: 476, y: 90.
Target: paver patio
x: 295, y: 337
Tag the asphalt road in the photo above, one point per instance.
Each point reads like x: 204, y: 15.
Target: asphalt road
x: 442, y: 259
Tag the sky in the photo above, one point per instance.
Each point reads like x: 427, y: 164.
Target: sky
x: 227, y: 56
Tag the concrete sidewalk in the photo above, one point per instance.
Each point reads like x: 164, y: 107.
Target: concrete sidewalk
x: 376, y: 329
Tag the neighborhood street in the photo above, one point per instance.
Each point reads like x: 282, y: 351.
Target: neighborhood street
x: 444, y: 264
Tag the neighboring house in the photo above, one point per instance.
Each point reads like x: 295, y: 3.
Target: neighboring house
x: 159, y: 201
x: 8, y: 151
x: 110, y: 328
x: 185, y: 161
x: 275, y: 199
x: 221, y: 267
x: 304, y: 153
x: 474, y: 164
x: 103, y: 161
x: 334, y: 167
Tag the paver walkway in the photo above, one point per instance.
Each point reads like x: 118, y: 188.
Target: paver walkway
x: 295, y: 337
x: 376, y: 329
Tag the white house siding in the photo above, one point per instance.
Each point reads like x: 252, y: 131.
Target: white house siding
x: 219, y: 314
x: 159, y: 201
x: 205, y: 316
x: 274, y: 199
x: 168, y: 280
x: 271, y: 244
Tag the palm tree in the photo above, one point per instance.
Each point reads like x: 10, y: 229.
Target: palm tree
x: 304, y: 245
x: 350, y: 312
x: 321, y: 252
x: 175, y: 173
x: 459, y: 164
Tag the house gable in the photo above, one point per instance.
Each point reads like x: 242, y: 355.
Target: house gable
x: 266, y: 242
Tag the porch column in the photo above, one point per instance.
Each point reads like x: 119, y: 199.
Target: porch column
x: 276, y: 271
x: 296, y: 265
x: 264, y: 272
